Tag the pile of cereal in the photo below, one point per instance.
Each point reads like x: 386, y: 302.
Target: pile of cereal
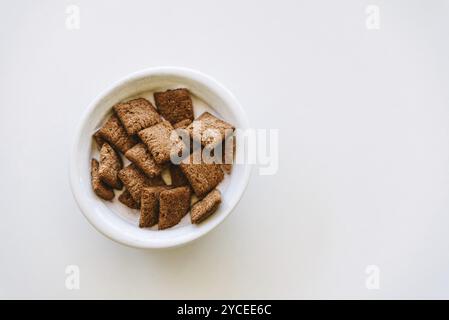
x: 150, y: 138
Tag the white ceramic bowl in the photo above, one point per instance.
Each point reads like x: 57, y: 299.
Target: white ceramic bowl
x: 118, y: 222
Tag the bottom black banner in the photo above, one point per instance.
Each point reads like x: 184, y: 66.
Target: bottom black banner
x: 225, y: 309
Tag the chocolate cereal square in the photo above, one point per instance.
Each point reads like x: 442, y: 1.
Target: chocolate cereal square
x: 134, y: 180
x: 110, y: 165
x: 209, y: 130
x: 205, y: 207
x: 128, y: 200
x: 143, y: 159
x: 183, y: 124
x: 174, y: 105
x: 160, y: 141
x: 101, y: 189
x: 173, y: 206
x: 136, y: 115
x: 203, y: 177
x: 149, y: 206
x: 178, y: 178
x: 114, y: 133
x: 98, y: 140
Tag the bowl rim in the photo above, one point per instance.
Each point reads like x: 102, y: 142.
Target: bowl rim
x: 76, y: 188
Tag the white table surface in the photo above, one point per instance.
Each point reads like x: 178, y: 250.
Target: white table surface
x: 364, y: 147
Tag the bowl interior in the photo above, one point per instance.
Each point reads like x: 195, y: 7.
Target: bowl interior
x: 120, y: 222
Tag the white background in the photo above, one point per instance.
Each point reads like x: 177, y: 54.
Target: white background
x: 364, y: 147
